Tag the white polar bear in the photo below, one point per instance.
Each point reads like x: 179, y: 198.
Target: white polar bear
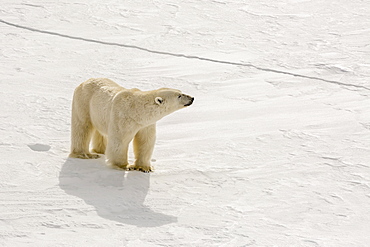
x: 111, y: 116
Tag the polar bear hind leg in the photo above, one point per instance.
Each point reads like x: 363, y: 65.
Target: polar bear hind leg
x: 81, y: 135
x: 144, y: 141
x: 80, y: 142
x: 99, y: 143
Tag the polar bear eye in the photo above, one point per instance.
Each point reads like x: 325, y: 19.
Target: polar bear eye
x: 179, y: 96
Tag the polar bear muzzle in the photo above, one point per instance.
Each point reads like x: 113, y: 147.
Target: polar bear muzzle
x: 187, y: 100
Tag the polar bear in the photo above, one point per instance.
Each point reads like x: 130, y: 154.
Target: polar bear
x: 110, y: 116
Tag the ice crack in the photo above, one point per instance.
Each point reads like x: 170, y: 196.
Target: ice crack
x: 244, y: 64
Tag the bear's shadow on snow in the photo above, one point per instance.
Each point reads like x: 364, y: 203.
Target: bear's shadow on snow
x: 116, y: 195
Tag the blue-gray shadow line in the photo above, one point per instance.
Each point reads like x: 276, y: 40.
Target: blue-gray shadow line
x: 116, y: 195
x: 244, y: 64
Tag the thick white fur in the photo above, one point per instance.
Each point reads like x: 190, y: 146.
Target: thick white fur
x: 110, y: 116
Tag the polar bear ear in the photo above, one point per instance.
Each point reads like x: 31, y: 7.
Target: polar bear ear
x: 158, y: 100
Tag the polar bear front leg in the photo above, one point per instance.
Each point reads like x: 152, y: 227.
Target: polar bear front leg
x: 143, y: 148
x: 117, y: 150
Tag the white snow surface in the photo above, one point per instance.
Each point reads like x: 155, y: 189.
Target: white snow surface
x: 273, y: 152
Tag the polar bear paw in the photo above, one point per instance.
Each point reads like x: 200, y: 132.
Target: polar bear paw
x: 145, y: 169
x: 84, y: 156
x: 119, y: 166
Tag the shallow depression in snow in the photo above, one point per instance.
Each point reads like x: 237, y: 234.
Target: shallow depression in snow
x: 39, y: 147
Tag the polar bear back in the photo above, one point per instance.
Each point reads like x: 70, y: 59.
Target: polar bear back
x: 95, y: 101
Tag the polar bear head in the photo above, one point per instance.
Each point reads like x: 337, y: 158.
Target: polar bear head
x: 171, y: 100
